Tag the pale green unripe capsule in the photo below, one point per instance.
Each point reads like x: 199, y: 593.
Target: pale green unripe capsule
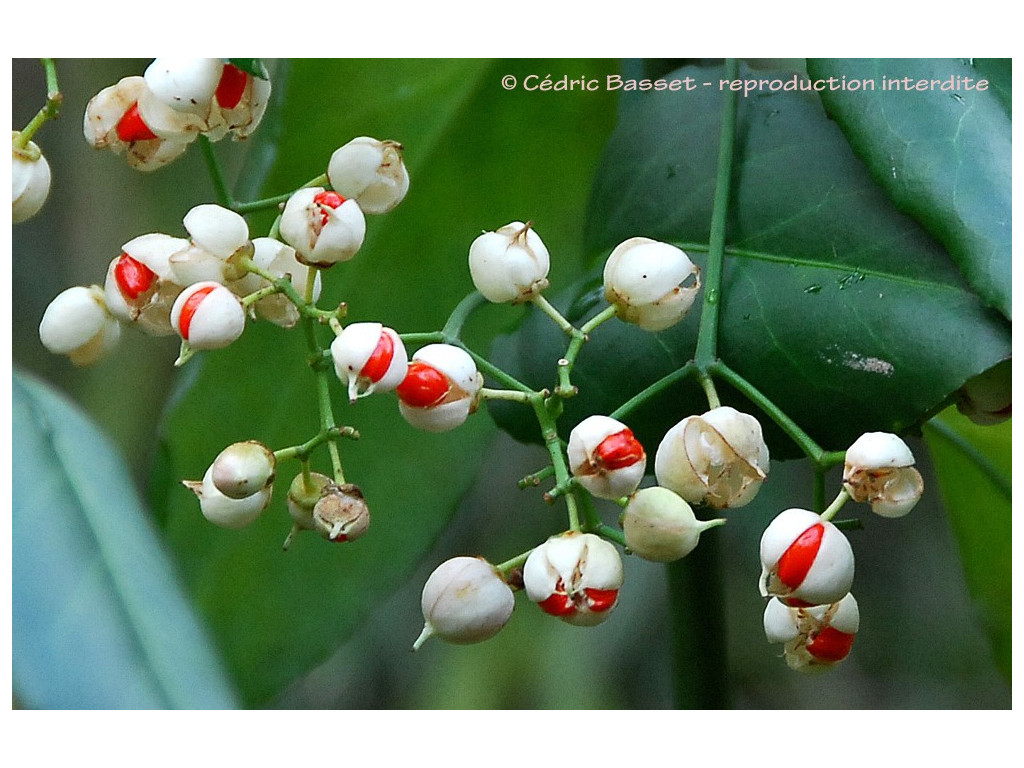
x: 243, y: 469
x: 464, y: 601
x: 224, y: 511
x: 660, y: 525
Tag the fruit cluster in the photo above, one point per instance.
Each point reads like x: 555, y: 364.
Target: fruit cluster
x: 207, y: 285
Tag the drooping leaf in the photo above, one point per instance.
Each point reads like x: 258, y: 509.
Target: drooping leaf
x: 478, y: 157
x: 99, y: 616
x: 973, y: 467
x: 941, y: 151
x: 839, y: 308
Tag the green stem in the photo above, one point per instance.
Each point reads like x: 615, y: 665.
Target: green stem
x: 553, y: 443
x: 303, y: 451
x: 661, y: 384
x: 453, y: 326
x: 695, y: 588
x: 790, y: 427
x: 220, y: 186
x: 710, y: 391
x: 707, y: 334
x: 515, y: 562
x: 836, y: 505
x: 533, y: 480
x: 505, y: 394
x: 50, y: 110
x: 548, y: 309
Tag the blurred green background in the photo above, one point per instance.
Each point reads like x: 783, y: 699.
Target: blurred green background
x: 921, y: 643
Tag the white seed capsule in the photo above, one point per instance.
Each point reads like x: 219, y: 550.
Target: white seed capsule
x: 605, y: 458
x: 240, y: 102
x: 224, y: 511
x: 242, y: 469
x: 719, y: 459
x: 115, y: 120
x: 879, y: 470
x: 464, y: 601
x: 649, y: 283
x: 77, y: 324
x: 217, y: 230
x: 139, y: 288
x: 369, y: 358
x: 510, y: 264
x: 816, y: 638
x: 805, y: 560
x: 30, y: 181
x: 208, y: 316
x: 322, y: 226
x: 184, y: 85
x: 660, y: 526
x: 439, y: 389
x: 574, y: 576
x: 371, y: 172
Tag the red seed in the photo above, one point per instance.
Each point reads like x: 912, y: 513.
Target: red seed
x: 231, y: 86
x: 830, y: 645
x: 797, y: 560
x: 380, y: 360
x: 133, y: 277
x: 620, y: 450
x: 601, y: 599
x: 327, y: 199
x: 423, y: 386
x: 188, y: 310
x: 558, y: 603
x: 131, y: 127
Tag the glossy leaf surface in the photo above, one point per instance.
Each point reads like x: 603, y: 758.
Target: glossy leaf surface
x: 839, y: 308
x: 941, y: 151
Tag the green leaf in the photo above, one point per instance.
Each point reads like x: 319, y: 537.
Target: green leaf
x: 942, y: 153
x: 478, y: 157
x: 99, y: 619
x: 839, y: 308
x: 972, y: 464
x: 254, y: 67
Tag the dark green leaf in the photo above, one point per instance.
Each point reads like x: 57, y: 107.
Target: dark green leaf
x: 254, y: 67
x: 479, y: 156
x: 941, y: 153
x: 973, y: 467
x: 836, y: 306
x: 99, y: 620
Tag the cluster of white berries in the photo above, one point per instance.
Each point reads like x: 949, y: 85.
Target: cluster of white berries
x: 807, y: 564
x: 194, y: 286
x: 204, y: 286
x: 575, y: 576
x: 153, y: 118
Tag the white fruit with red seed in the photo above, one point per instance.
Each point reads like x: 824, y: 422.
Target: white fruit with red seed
x: 208, y: 316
